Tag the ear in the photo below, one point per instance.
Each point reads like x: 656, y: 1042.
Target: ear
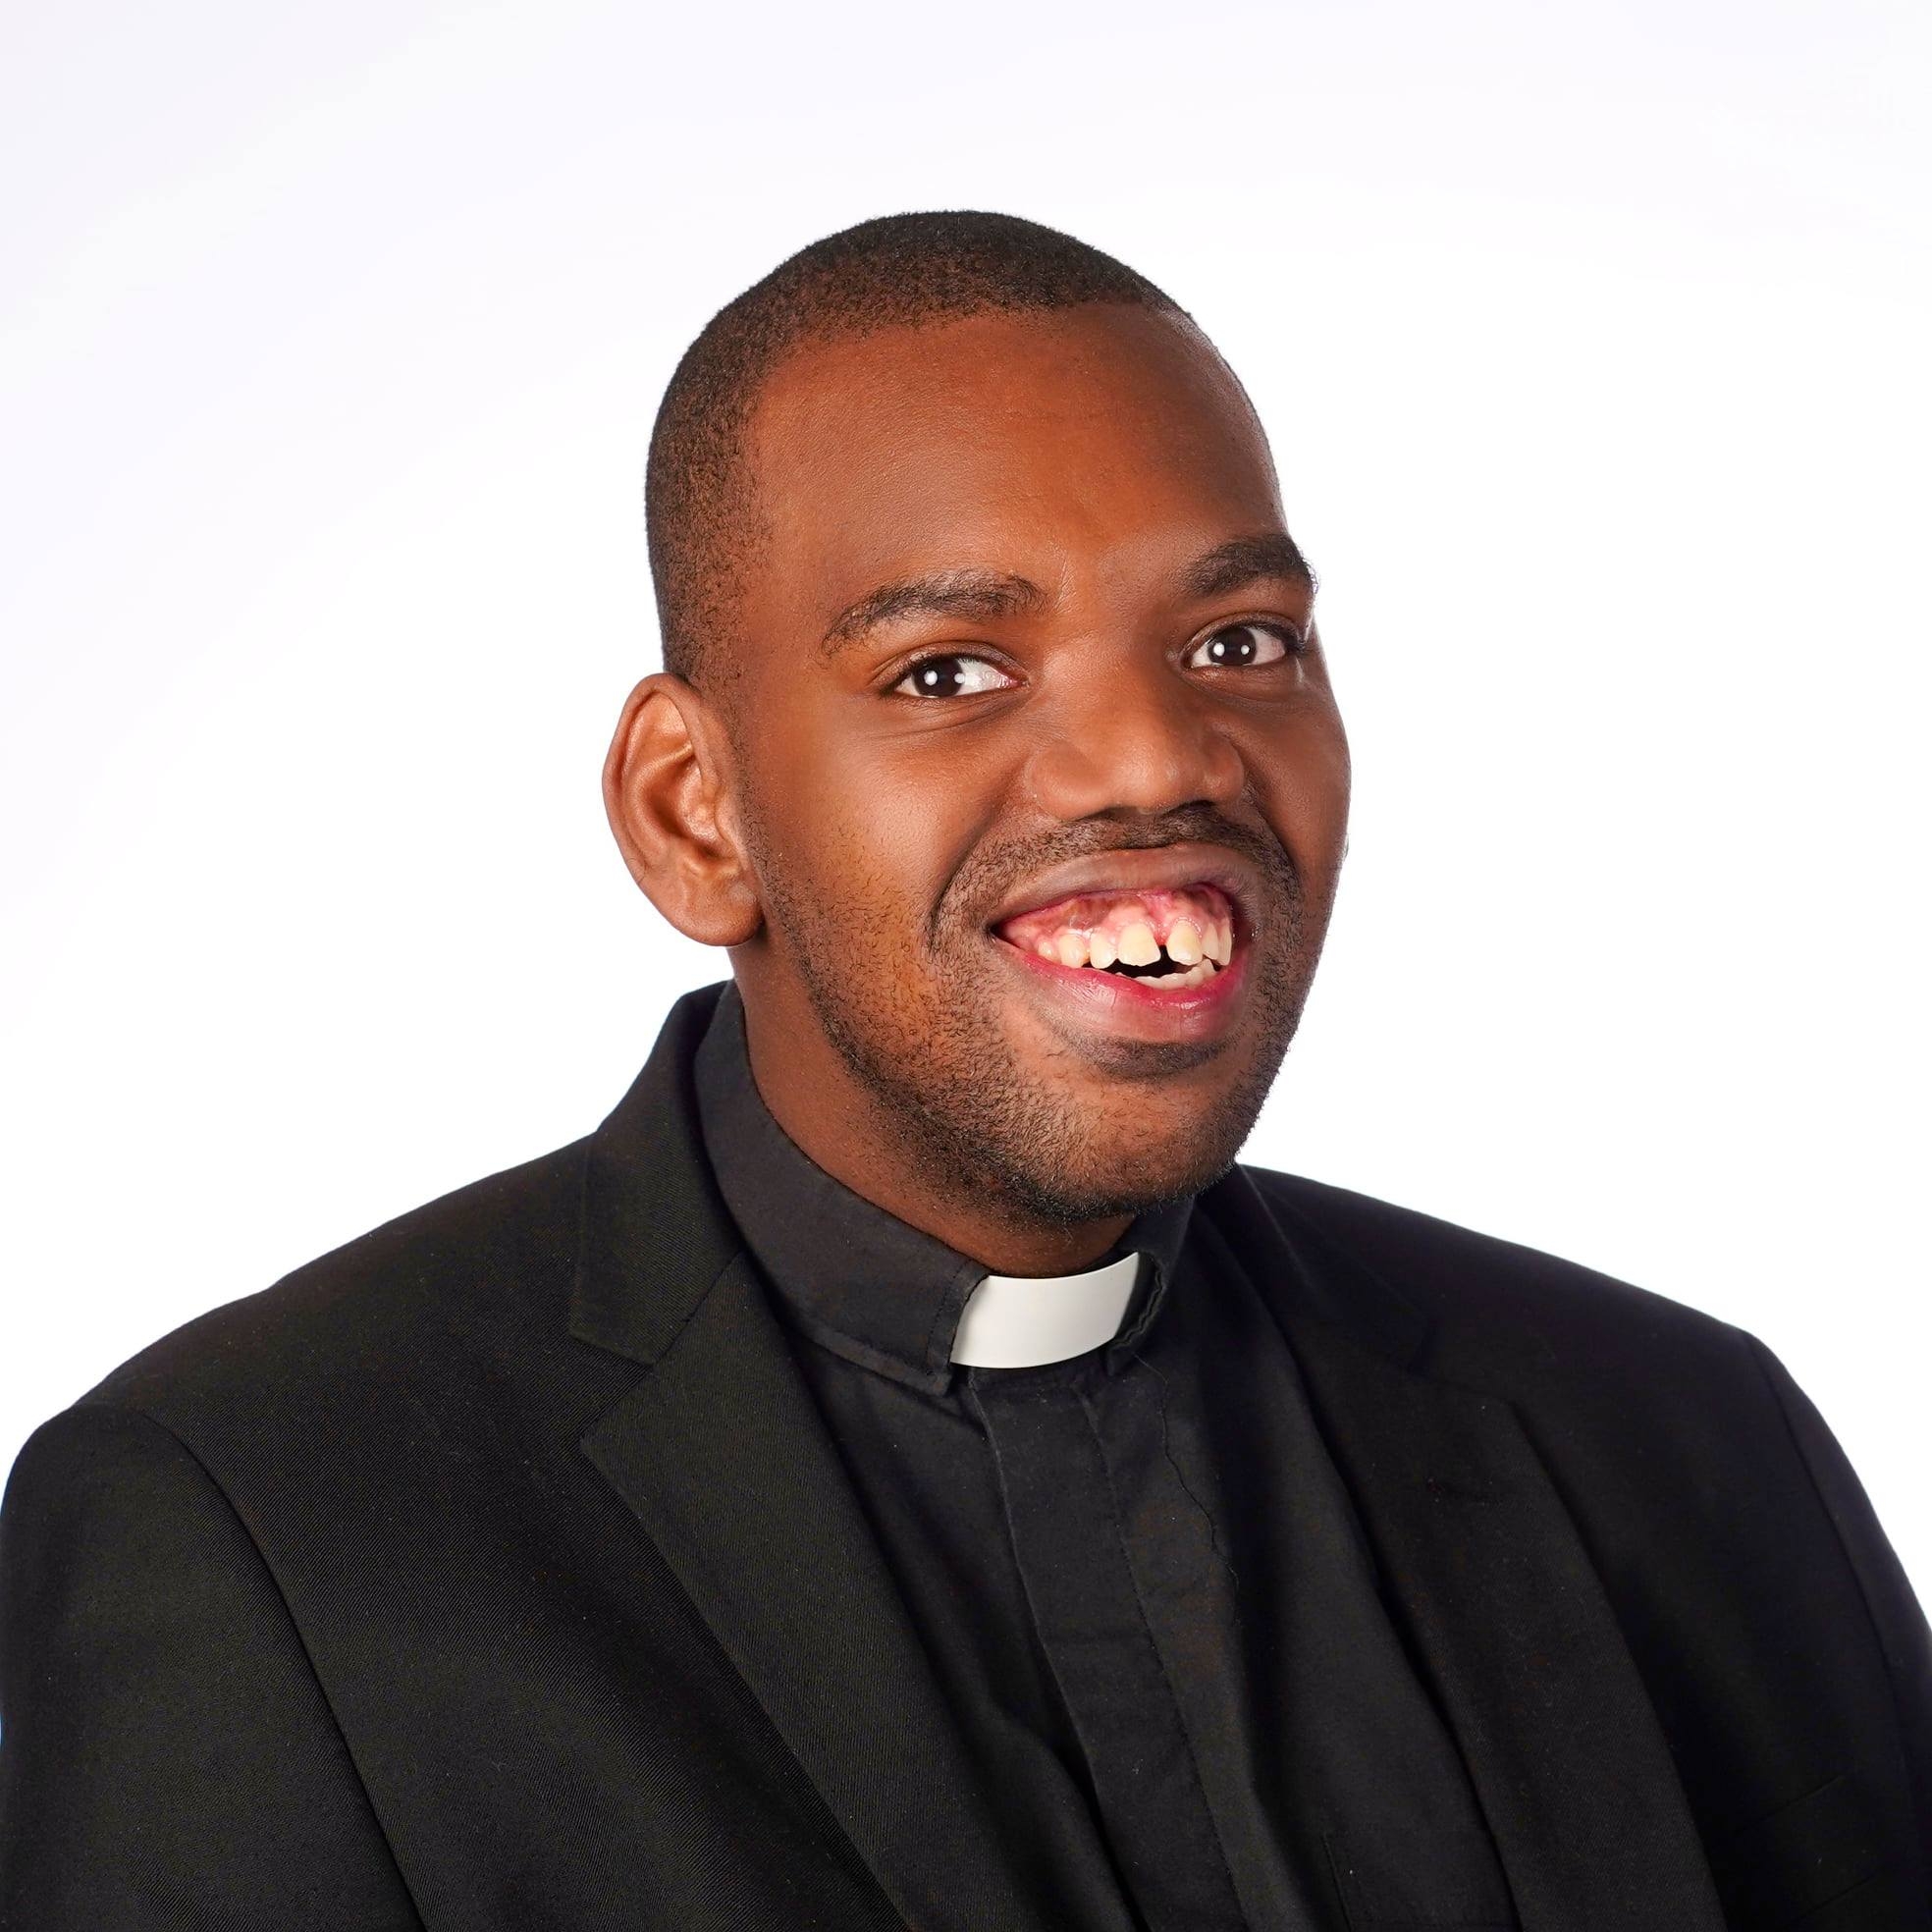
x: 667, y: 789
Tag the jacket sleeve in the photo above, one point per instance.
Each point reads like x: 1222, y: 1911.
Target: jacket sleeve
x: 166, y: 1756
x: 1898, y: 1621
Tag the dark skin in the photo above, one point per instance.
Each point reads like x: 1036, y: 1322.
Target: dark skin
x: 1025, y: 618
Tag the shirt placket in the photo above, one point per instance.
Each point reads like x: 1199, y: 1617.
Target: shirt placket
x: 1081, y: 1589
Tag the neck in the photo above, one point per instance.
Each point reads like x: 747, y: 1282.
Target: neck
x: 846, y: 1129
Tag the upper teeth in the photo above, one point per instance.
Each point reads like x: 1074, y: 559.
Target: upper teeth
x: 1200, y: 936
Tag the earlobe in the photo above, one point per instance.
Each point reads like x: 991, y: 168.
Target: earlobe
x: 666, y: 792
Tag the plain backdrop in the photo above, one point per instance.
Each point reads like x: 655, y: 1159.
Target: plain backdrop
x: 1593, y: 342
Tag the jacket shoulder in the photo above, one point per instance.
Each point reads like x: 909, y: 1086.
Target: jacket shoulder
x: 461, y: 1274
x: 1502, y: 1312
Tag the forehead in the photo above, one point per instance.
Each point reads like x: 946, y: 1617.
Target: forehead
x: 1085, y: 440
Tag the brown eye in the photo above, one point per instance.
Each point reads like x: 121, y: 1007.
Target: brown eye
x: 952, y: 676
x: 1235, y: 647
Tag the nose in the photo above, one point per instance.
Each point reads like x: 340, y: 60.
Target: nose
x: 1134, y: 740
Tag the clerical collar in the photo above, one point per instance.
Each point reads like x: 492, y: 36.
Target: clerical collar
x: 882, y: 1294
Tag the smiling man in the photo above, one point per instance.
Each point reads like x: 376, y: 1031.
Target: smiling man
x: 996, y: 741
x: 900, y: 1470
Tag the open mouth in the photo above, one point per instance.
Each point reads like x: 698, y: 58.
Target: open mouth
x: 1169, y: 939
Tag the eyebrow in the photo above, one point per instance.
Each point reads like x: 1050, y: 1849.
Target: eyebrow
x: 981, y: 596
x: 977, y: 596
x: 1245, y: 560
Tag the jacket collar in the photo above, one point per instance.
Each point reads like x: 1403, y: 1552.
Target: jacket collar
x: 721, y: 1453
x: 1308, y: 1278
x: 654, y: 1233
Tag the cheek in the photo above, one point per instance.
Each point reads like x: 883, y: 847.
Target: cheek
x: 1301, y: 773
x: 867, y: 834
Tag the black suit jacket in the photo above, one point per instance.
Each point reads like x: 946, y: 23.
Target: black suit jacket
x: 495, y: 1571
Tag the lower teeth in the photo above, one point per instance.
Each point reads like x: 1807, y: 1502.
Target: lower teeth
x: 1196, y: 975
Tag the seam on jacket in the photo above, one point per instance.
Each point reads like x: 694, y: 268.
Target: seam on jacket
x: 281, y: 1596
x: 1760, y: 1358
x: 1836, y: 1898
x: 698, y: 1301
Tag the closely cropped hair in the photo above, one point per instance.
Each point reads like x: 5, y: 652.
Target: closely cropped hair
x: 899, y: 269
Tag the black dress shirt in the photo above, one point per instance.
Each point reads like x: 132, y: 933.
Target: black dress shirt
x: 1137, y: 1573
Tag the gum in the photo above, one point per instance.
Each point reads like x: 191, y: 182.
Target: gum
x: 1113, y: 912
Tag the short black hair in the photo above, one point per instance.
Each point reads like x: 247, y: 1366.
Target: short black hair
x: 894, y: 271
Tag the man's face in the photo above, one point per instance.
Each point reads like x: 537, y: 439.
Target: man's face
x: 1029, y: 686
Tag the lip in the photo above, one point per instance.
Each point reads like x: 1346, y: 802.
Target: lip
x: 1113, y: 1007
x: 1122, y: 1008
x: 1140, y: 869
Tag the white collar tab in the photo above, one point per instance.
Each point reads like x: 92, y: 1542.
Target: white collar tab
x: 1027, y: 1320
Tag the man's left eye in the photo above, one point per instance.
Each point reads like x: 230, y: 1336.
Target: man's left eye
x: 1242, y: 644
x: 953, y: 677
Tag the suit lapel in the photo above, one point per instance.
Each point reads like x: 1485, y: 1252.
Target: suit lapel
x: 1500, y: 1597
x: 723, y: 1456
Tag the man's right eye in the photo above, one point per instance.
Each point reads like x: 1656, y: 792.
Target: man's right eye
x: 953, y: 677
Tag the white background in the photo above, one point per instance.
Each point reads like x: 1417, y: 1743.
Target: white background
x: 1592, y: 340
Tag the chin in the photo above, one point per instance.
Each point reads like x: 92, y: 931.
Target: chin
x: 1102, y: 1179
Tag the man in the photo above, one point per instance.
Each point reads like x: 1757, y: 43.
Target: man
x: 899, y: 1471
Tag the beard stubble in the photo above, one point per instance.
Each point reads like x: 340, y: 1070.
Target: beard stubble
x: 962, y: 1109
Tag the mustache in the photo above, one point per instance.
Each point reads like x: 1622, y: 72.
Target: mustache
x: 987, y: 873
